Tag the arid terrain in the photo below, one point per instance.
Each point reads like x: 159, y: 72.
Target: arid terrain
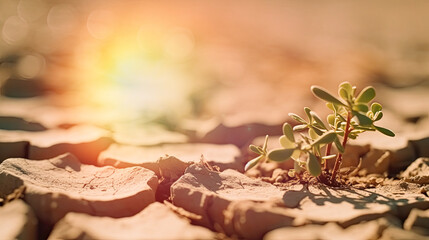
x: 133, y: 120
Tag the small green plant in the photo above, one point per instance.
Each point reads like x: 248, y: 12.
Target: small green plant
x: 352, y: 114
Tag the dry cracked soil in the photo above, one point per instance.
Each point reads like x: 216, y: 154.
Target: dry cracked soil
x: 71, y: 170
x: 83, y: 182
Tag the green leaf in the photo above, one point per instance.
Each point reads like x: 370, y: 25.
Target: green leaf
x: 250, y: 164
x: 331, y: 106
x: 297, y: 118
x: 256, y: 149
x: 338, y: 145
x: 264, y: 148
x: 363, y: 119
x: 318, y: 120
x: 312, y: 134
x: 376, y: 107
x: 347, y: 87
x: 385, y: 131
x: 280, y: 155
x: 366, y: 95
x: 360, y: 107
x: 369, y: 128
x: 300, y: 127
x: 296, y: 154
x: 288, y: 132
x: 341, y: 118
x: 324, y: 95
x: 331, y: 119
x: 378, y: 116
x: 313, y: 165
x: 343, y: 94
x: 307, y: 111
x: 286, y: 143
x: 326, y: 138
x: 317, y: 130
x: 357, y: 131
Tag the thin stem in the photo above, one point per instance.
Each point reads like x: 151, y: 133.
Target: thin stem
x: 340, y: 156
x: 328, y: 152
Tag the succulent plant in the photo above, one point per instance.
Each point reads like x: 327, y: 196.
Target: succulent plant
x: 352, y: 114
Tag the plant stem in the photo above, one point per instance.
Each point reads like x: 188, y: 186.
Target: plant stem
x: 340, y: 156
x: 328, y: 152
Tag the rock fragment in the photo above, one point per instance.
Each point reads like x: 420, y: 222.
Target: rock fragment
x: 349, y: 206
x: 403, y: 153
x: 12, y: 147
x: 156, y: 221
x: 17, y: 123
x: 401, y: 234
x: 223, y: 156
x: 373, y: 162
x: 361, y: 231
x: 226, y: 200
x: 418, y: 221
x: 86, y: 142
x: 220, y: 198
x: 60, y: 185
x: 417, y: 172
x: 145, y: 135
x: 17, y: 221
x: 238, y: 133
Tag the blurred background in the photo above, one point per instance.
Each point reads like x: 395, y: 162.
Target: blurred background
x: 239, y: 62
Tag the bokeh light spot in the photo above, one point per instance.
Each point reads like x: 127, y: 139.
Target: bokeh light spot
x: 62, y: 19
x: 14, y: 30
x: 179, y: 44
x: 30, y: 66
x: 31, y: 10
x: 100, y: 24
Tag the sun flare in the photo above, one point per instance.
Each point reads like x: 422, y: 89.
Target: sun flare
x: 137, y: 69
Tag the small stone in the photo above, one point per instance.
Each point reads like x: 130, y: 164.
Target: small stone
x: 417, y: 172
x: 60, y: 185
x: 17, y: 221
x: 156, y: 221
x: 85, y: 142
x: 418, y: 221
x: 223, y: 156
x: 279, y: 175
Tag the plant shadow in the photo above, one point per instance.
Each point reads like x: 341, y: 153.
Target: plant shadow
x: 321, y: 195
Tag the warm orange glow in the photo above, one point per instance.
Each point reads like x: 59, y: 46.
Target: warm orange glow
x: 136, y: 68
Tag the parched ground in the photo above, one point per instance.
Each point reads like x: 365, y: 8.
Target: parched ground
x: 151, y: 160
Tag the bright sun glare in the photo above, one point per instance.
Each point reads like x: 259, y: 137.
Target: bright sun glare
x: 136, y: 69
